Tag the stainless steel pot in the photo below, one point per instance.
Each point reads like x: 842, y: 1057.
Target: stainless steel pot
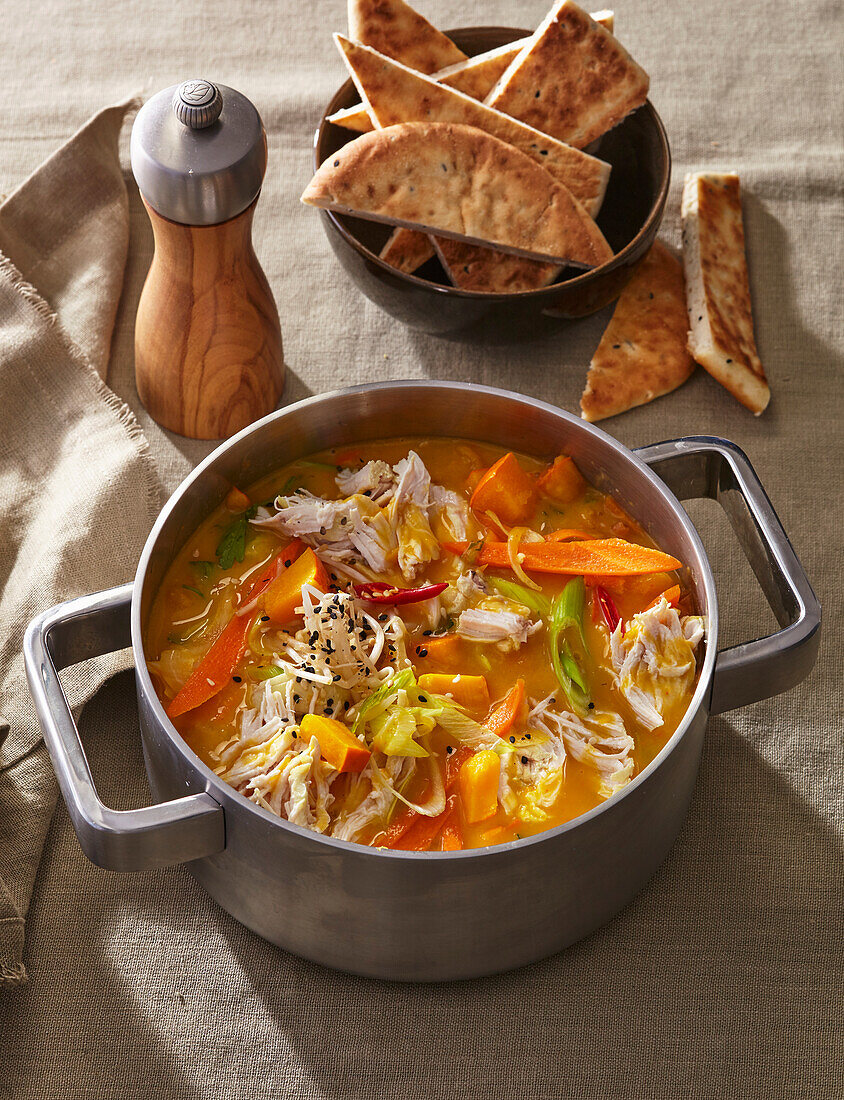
x: 424, y: 916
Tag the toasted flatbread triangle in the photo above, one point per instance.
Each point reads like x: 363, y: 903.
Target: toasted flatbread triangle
x: 642, y: 354
x: 718, y: 289
x: 475, y: 77
x: 479, y: 75
x: 572, y: 80
x: 395, y: 29
x: 471, y: 267
x: 393, y: 93
x: 457, y: 181
x: 407, y: 250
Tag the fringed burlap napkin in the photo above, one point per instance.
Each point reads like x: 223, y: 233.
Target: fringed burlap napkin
x: 77, y: 491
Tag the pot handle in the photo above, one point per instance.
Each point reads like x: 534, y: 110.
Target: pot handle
x: 120, y: 840
x: 705, y: 466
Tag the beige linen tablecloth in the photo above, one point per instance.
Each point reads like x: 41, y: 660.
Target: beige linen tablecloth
x: 724, y: 978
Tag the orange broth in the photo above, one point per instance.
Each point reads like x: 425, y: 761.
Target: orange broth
x: 198, y: 596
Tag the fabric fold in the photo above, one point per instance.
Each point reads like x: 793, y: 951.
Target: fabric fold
x: 78, y: 492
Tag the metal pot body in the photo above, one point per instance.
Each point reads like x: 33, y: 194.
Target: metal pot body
x: 417, y: 918
x: 426, y: 916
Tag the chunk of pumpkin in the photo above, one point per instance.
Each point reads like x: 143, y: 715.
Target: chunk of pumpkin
x: 284, y: 594
x: 506, y: 490
x: 447, y: 651
x: 469, y: 691
x: 478, y: 784
x: 337, y: 744
x: 562, y: 482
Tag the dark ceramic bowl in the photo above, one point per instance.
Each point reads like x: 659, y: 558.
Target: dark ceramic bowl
x: 638, y: 152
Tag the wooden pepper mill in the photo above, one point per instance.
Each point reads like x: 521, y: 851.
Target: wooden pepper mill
x: 208, y: 353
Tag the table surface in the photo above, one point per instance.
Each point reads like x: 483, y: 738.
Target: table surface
x: 724, y: 977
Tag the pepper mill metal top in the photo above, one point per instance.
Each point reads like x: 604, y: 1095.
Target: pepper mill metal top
x: 198, y: 152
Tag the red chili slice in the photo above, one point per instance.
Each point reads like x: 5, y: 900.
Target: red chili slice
x: 612, y: 616
x: 385, y: 593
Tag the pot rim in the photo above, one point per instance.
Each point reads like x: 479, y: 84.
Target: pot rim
x: 221, y: 790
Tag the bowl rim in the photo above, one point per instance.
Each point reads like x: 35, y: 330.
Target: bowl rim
x: 584, y: 279
x: 222, y: 792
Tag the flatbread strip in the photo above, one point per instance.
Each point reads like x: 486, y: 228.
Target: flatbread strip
x: 717, y: 287
x: 393, y: 93
x: 475, y: 77
x: 471, y: 267
x: 573, y: 80
x: 395, y: 29
x: 642, y: 354
x: 457, y: 181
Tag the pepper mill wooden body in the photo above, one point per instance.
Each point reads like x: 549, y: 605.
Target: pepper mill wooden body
x: 208, y: 349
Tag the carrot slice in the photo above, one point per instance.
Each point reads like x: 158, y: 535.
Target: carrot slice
x: 671, y: 594
x: 454, y: 762
x: 216, y: 667
x: 506, y: 490
x: 598, y: 557
x: 502, y: 718
x: 566, y: 533
x: 452, y: 835
x: 419, y: 836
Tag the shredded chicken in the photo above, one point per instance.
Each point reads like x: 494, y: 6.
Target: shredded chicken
x: 600, y: 740
x: 463, y: 591
x: 351, y: 530
x: 376, y: 479
x: 654, y: 660
x: 497, y: 620
x: 408, y: 515
x: 452, y: 510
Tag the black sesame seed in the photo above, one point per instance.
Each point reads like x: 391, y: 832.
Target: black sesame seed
x: 616, y: 345
x: 527, y: 737
x: 337, y: 677
x: 237, y: 679
x: 421, y: 652
x: 336, y: 163
x: 591, y: 706
x: 427, y: 633
x: 287, y: 564
x: 543, y: 152
x: 330, y: 702
x: 512, y: 740
x: 346, y: 705
x: 729, y: 360
x: 265, y: 618
x: 536, y: 96
x: 343, y: 521
x: 524, y: 760
x: 295, y: 698
x: 449, y: 749
x: 322, y: 530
